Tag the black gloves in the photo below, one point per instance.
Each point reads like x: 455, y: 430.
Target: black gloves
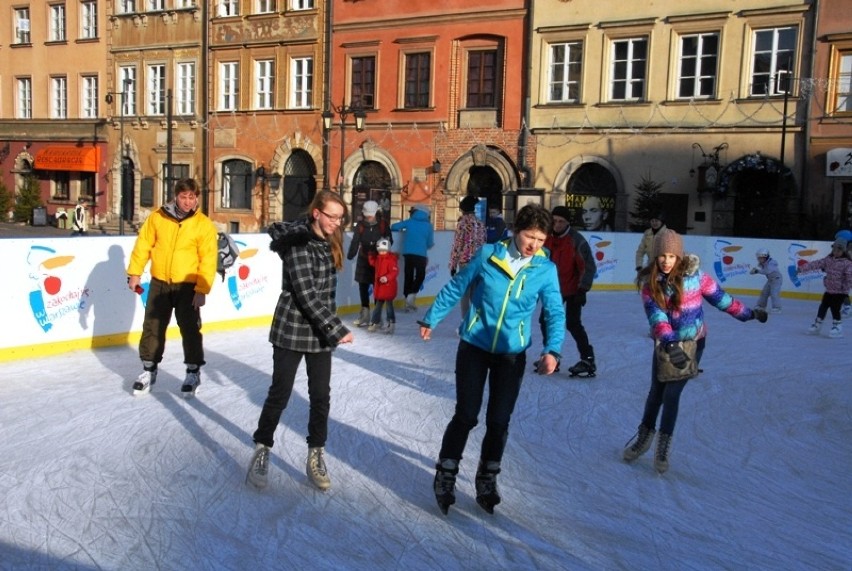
x: 453, y: 273
x: 581, y: 297
x: 759, y: 314
x: 676, y: 355
x: 638, y: 268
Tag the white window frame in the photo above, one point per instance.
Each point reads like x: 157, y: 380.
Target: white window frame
x: 841, y: 91
x: 229, y: 85
x: 89, y: 96
x: 127, y: 84
x: 59, y: 97
x: 24, y: 107
x: 57, y: 23
x: 701, y: 55
x: 185, y: 4
x: 155, y: 89
x: 778, y: 62
x: 185, y: 82
x: 88, y: 19
x: 156, y: 5
x: 264, y: 73
x: 301, y: 82
x: 126, y: 6
x: 630, y: 82
x: 264, y: 6
x: 567, y: 84
x: 301, y: 4
x: 22, y: 26
x: 227, y: 8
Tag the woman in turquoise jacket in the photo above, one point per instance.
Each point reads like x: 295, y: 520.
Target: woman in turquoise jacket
x: 508, y: 280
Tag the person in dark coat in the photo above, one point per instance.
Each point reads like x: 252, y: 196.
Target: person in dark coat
x: 365, y: 236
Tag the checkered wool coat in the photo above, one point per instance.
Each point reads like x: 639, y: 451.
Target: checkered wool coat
x: 305, y: 318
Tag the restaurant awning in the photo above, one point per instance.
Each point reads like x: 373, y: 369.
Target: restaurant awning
x: 67, y: 158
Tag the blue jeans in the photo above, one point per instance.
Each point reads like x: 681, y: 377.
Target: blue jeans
x: 504, y: 374
x: 377, y: 312
x: 285, y: 363
x: 665, y: 396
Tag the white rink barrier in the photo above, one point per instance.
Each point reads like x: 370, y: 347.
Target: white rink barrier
x: 62, y: 294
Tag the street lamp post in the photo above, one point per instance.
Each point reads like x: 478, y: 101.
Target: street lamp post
x: 343, y: 111
x: 109, y: 99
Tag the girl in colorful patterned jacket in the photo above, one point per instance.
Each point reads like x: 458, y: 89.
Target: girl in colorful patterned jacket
x: 673, y: 289
x: 468, y: 239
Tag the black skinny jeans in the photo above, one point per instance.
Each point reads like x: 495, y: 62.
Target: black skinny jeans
x: 285, y: 363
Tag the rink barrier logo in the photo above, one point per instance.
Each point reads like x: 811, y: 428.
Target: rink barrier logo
x: 242, y: 282
x: 797, y: 256
x: 49, y: 298
x: 728, y: 260
x: 604, y: 261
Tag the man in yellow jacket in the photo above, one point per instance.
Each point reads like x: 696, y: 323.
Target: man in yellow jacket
x: 181, y: 244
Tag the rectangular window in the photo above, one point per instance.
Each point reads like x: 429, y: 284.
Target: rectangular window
x: 481, y: 79
x: 363, y: 89
x: 57, y: 23
x: 699, y: 57
x: 156, y: 5
x: 229, y: 86
x: 227, y: 8
x: 841, y: 97
x: 25, y: 98
x: 628, y: 69
x: 237, y: 182
x: 302, y: 82
x: 418, y: 80
x: 185, y: 3
x: 565, y: 72
x: 186, y: 88
x: 265, y: 6
x: 127, y: 85
x: 88, y: 20
x: 156, y: 89
x: 773, y: 61
x: 264, y: 72
x: 87, y: 185
x: 170, y: 177
x: 61, y: 182
x: 22, y: 25
x: 302, y: 4
x: 126, y: 6
x: 89, y: 96
x: 59, y: 98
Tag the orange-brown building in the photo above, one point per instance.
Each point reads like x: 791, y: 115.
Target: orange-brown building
x: 52, y: 68
x: 442, y: 86
x: 829, y: 161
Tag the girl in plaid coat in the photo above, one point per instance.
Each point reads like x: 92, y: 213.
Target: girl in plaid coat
x: 305, y: 326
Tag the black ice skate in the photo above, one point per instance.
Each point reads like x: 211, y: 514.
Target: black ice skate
x: 445, y: 483
x: 487, y: 495
x: 585, y: 368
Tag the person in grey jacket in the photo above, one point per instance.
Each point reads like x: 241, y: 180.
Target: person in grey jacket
x: 305, y: 326
x: 418, y: 239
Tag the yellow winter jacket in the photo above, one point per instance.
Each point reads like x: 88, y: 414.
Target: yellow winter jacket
x: 180, y: 251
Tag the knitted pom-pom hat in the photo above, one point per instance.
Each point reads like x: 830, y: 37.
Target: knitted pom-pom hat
x: 668, y: 242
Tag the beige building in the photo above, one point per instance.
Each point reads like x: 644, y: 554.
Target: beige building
x: 52, y: 77
x: 696, y: 96
x: 156, y: 84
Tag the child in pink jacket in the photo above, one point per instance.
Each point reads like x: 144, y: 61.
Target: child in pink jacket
x: 838, y: 280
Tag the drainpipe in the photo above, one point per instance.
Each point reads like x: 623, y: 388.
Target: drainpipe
x: 205, y: 110
x: 326, y: 80
x: 806, y: 131
x: 526, y: 180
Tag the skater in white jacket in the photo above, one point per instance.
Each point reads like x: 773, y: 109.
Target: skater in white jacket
x: 767, y: 266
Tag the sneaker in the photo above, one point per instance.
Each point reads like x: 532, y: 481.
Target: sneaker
x: 259, y: 467
x: 315, y: 467
x: 144, y: 382
x: 191, y: 382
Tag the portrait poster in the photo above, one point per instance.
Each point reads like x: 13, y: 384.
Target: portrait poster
x: 591, y: 212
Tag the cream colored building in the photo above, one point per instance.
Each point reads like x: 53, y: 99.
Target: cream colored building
x: 690, y: 95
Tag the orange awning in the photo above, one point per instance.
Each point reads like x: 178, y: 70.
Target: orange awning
x: 62, y: 158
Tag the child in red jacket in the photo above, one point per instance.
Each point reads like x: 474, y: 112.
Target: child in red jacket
x: 386, y: 266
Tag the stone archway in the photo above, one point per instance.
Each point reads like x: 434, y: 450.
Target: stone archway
x: 458, y: 178
x: 563, y: 180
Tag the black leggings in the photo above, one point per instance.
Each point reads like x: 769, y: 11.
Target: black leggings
x: 832, y: 301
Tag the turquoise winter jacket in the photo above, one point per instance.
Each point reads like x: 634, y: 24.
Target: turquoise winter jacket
x: 502, y: 303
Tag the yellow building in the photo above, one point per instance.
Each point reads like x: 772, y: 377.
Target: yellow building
x: 696, y: 96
